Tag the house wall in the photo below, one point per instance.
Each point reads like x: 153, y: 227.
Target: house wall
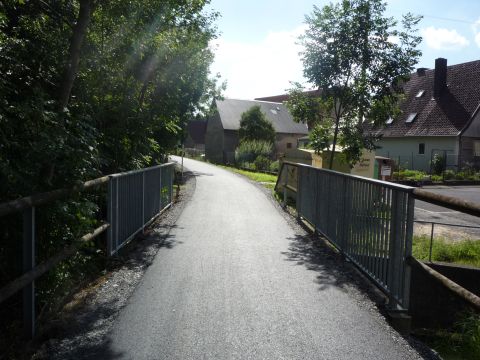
x: 214, y: 138
x: 469, y: 137
x: 283, y: 139
x: 405, y: 150
x: 230, y: 143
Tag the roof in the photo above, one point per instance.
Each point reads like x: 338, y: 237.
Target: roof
x: 445, y: 116
x: 284, y: 97
x: 231, y: 110
x: 196, y: 129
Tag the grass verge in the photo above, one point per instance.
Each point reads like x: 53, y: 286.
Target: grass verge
x: 465, y: 252
x: 267, y: 180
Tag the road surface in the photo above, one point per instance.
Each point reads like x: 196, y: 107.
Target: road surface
x: 428, y: 212
x: 227, y: 289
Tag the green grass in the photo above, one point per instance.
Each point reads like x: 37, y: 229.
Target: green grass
x: 461, y: 342
x: 268, y: 180
x: 466, y: 252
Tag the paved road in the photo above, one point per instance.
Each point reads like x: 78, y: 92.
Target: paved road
x: 227, y: 290
x: 428, y: 212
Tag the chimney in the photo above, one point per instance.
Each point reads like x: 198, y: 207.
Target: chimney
x: 421, y: 71
x: 440, y: 77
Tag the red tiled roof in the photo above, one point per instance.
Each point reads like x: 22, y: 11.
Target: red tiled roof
x: 445, y: 116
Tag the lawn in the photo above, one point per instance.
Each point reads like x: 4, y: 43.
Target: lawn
x: 465, y: 252
x: 267, y: 180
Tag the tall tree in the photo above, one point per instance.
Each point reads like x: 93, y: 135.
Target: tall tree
x: 358, y: 58
x: 254, y: 125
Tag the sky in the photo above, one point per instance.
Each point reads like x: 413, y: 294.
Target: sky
x: 257, y: 50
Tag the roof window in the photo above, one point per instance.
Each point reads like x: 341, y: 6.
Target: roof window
x: 411, y: 117
x: 389, y: 121
x: 420, y: 93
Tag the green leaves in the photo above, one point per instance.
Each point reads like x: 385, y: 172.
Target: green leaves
x: 357, y: 57
x: 255, y: 126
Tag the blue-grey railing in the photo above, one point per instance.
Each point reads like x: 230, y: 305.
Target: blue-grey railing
x: 369, y: 221
x: 134, y: 199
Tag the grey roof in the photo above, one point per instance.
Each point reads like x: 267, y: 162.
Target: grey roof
x: 230, y: 111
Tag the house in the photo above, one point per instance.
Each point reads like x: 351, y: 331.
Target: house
x: 440, y: 118
x: 195, y: 139
x: 221, y: 137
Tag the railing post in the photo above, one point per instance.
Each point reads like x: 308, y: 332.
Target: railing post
x: 29, y: 264
x: 170, y: 188
x: 408, y: 251
x: 298, y: 197
x: 143, y: 202
x: 110, y: 216
x: 395, y: 250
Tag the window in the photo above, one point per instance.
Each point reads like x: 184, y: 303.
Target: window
x: 476, y: 148
x: 411, y: 117
x: 420, y: 93
x: 389, y: 120
x: 289, y: 145
x: 421, y: 149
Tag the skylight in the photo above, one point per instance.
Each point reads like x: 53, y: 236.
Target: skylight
x: 420, y: 93
x: 411, y: 117
x: 389, y: 121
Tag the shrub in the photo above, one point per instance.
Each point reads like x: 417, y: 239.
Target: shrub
x: 438, y: 164
x: 262, y: 163
x: 275, y: 166
x: 449, y: 175
x: 249, y: 150
x: 437, y: 178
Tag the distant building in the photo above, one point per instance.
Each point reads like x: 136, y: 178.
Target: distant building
x: 440, y: 115
x: 221, y: 137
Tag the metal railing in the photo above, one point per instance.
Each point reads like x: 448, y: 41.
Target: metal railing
x: 134, y: 199
x: 369, y: 221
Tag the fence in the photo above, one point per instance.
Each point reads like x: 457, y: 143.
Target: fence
x: 134, y: 199
x: 369, y: 221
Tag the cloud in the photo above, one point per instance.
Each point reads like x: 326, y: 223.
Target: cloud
x: 476, y: 31
x: 444, y: 39
x: 261, y: 68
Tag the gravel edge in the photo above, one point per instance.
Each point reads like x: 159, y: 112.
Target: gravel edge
x: 80, y: 331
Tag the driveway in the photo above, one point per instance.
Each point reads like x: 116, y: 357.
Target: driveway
x: 239, y: 282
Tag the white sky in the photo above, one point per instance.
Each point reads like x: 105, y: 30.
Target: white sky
x: 257, y: 51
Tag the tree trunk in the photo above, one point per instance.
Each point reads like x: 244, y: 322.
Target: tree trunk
x: 334, y: 144
x: 71, y: 68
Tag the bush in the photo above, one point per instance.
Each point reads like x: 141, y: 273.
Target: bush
x: 437, y: 178
x: 262, y: 163
x: 410, y: 175
x: 449, y: 175
x: 249, y: 150
x: 275, y: 166
x: 438, y: 164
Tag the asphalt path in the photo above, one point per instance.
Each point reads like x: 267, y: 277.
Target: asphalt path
x: 226, y: 289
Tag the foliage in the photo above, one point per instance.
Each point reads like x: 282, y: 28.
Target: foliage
x: 437, y: 164
x: 140, y: 70
x: 351, y: 58
x: 275, y: 166
x: 465, y: 252
x: 461, y: 342
x: 262, y: 163
x: 410, y: 175
x: 249, y: 150
x: 255, y: 126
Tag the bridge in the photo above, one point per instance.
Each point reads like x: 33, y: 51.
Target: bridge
x: 242, y: 280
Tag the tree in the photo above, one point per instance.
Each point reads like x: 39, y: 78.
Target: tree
x: 255, y: 126
x: 358, y: 59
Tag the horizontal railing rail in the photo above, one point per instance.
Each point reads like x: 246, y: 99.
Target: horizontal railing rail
x: 134, y: 199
